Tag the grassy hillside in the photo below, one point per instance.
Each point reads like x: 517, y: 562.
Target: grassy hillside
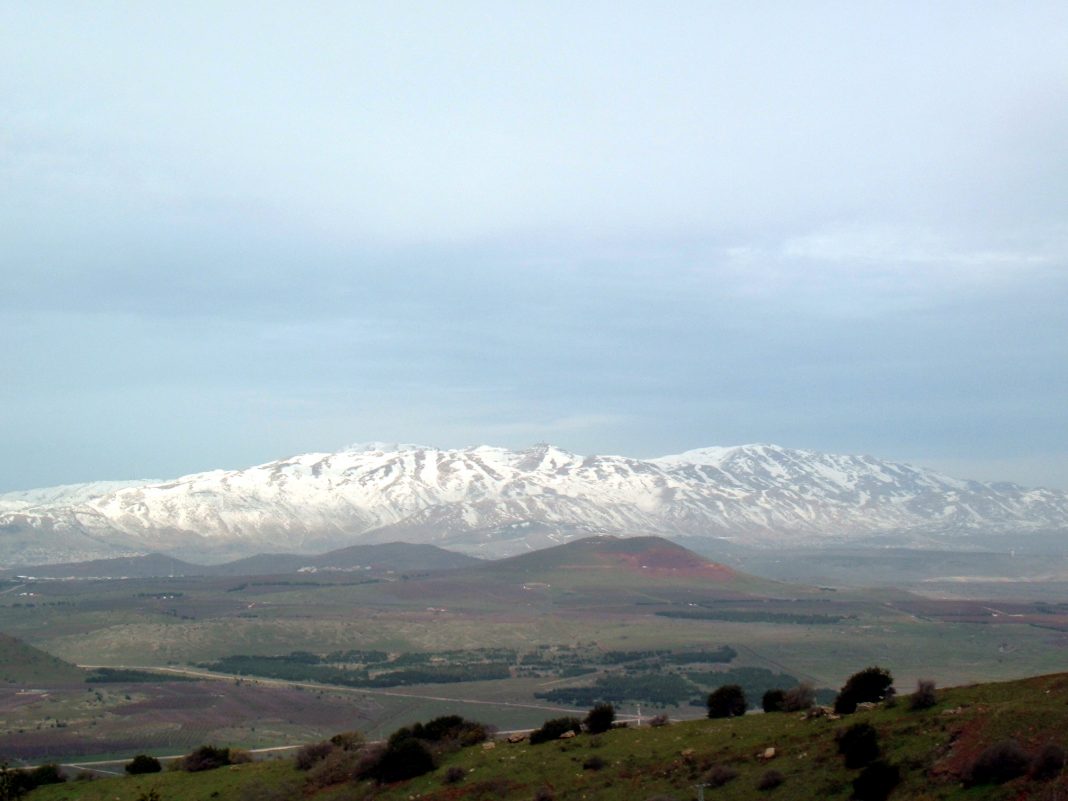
x: 933, y: 749
x: 25, y: 665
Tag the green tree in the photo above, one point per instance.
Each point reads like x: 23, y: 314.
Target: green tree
x: 142, y: 763
x: 10, y: 783
x: 600, y: 718
x: 727, y: 701
x: 872, y: 684
x: 772, y: 701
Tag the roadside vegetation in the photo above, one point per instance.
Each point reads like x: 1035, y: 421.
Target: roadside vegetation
x: 985, y: 742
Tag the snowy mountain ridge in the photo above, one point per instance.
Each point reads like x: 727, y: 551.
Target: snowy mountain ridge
x: 494, y: 501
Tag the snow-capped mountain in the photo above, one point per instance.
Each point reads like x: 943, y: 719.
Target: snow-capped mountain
x: 495, y: 501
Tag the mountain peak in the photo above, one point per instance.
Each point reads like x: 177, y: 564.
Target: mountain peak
x: 492, y: 501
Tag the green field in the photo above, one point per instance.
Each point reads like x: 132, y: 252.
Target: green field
x: 933, y: 749
x: 581, y: 599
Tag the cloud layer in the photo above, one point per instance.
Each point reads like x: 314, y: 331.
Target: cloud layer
x: 230, y: 234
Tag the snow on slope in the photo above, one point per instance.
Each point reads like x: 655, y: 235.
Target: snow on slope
x: 64, y: 494
x: 499, y: 501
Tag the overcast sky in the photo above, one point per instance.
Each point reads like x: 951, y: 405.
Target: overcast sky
x: 233, y: 232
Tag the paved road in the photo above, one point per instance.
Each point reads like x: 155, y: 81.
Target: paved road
x: 116, y: 765
x: 216, y: 676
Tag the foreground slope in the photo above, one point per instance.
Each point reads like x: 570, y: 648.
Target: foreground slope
x: 933, y: 749
x: 500, y: 502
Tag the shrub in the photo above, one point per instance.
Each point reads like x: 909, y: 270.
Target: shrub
x: 207, y: 757
x: 869, y: 685
x: 599, y: 719
x: 454, y: 775
x: 659, y: 720
x: 719, y: 775
x: 859, y: 744
x: 799, y: 698
x: 337, y: 767
x: 552, y: 729
x: 447, y: 729
x: 46, y: 774
x: 311, y: 753
x: 727, y: 701
x: 142, y: 763
x: 403, y: 759
x: 1048, y: 763
x: 876, y: 782
x: 999, y: 763
x: 924, y: 697
x: 772, y: 701
x: 347, y: 740
x: 770, y: 780
x: 594, y: 763
x: 366, y: 759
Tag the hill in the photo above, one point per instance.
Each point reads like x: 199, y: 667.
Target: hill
x: 25, y: 665
x: 932, y: 751
x: 396, y: 556
x: 392, y: 556
x: 151, y: 565
x: 597, y: 574
x: 639, y: 556
x: 500, y: 502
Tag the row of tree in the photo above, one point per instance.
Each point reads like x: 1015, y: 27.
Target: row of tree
x: 871, y: 685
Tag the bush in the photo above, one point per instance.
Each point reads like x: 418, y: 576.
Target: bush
x: 719, y: 775
x: 311, y: 753
x: 594, y: 763
x: 924, y: 697
x: 659, y: 720
x: 239, y: 756
x: 447, y: 729
x: 772, y: 701
x: 1001, y: 762
x: 207, y: 757
x: 338, y: 767
x: 727, y: 701
x: 454, y: 775
x: 552, y: 729
x: 347, y: 740
x: 876, y: 782
x: 859, y: 744
x: 799, y: 698
x: 364, y: 763
x: 1048, y: 763
x: 872, y: 684
x: 403, y: 759
x: 142, y: 763
x: 770, y: 780
x: 599, y: 719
